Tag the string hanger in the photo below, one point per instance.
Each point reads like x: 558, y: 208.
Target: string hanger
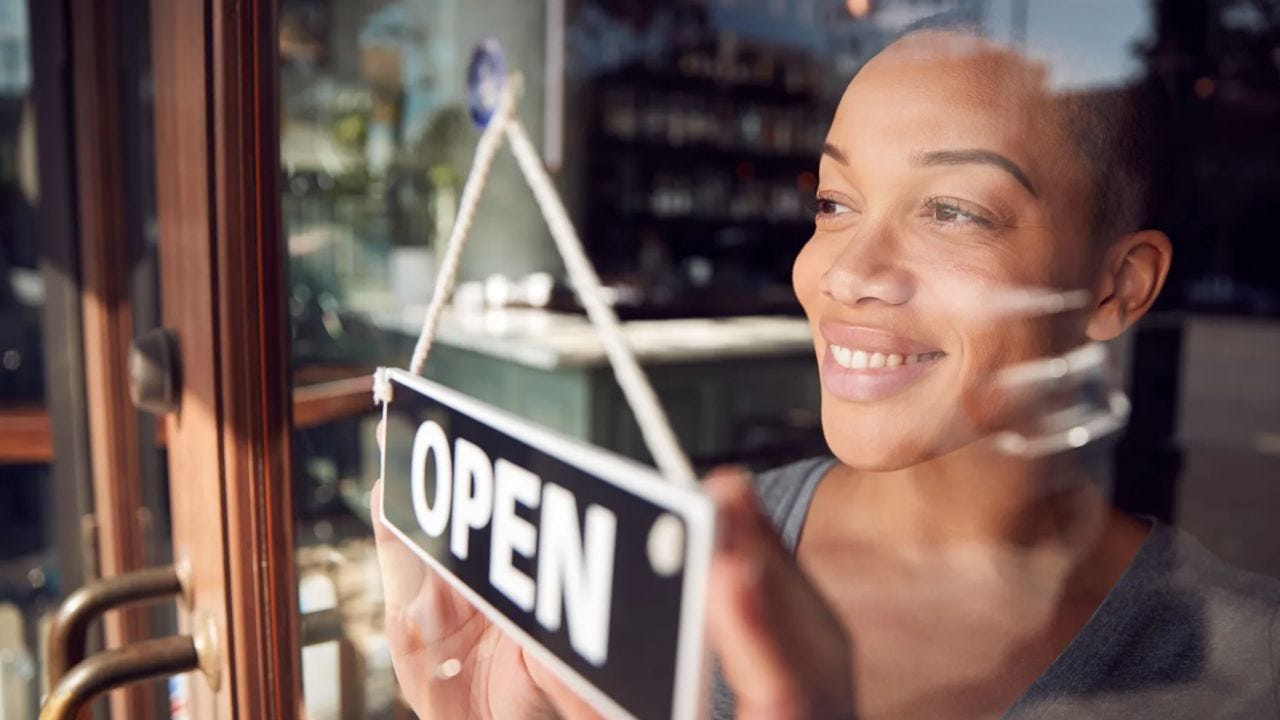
x: 655, y: 427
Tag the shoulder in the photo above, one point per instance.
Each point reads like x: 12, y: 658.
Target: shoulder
x: 1236, y: 605
x: 1230, y: 601
x: 1209, y: 626
x: 1183, y: 634
x: 784, y: 493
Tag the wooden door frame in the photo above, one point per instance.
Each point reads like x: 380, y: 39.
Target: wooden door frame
x: 223, y: 294
x: 102, y: 197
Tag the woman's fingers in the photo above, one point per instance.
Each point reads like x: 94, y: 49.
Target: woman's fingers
x: 402, y: 572
x: 568, y: 705
x: 426, y: 610
x: 738, y: 604
x: 780, y: 647
x: 449, y: 659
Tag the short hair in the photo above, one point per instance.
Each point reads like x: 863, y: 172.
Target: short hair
x: 1110, y: 126
x: 1112, y: 129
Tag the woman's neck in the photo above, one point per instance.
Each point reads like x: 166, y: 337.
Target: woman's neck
x: 975, y: 497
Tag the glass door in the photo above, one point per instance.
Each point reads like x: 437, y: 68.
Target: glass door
x: 685, y: 138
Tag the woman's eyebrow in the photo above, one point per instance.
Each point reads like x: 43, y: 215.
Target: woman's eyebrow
x: 979, y: 157
x: 835, y: 153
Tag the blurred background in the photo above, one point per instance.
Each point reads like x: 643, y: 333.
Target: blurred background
x: 684, y: 137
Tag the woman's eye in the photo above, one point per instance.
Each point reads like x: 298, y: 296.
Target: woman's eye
x: 946, y: 213
x: 954, y: 213
x: 828, y: 208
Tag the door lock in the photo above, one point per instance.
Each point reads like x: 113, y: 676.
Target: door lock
x: 155, y: 379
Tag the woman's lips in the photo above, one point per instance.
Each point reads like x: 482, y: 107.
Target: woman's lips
x: 871, y: 340
x: 865, y: 364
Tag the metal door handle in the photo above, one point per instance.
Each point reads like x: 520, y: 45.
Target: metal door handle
x: 113, y: 668
x: 69, y: 635
x: 76, y: 680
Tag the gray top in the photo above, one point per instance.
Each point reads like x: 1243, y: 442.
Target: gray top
x: 1181, y: 635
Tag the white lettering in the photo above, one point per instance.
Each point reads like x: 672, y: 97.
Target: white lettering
x: 512, y: 484
x: 472, y: 495
x: 430, y: 439
x: 585, y: 584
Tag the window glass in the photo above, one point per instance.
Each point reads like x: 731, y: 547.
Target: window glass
x: 1013, y: 285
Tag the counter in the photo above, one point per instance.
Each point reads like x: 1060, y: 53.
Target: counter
x: 735, y: 389
x: 547, y: 340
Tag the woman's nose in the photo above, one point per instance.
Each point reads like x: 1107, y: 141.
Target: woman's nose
x: 869, y: 270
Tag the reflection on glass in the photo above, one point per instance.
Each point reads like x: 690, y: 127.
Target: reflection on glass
x: 692, y: 137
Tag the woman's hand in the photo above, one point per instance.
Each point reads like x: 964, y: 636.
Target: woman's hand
x: 450, y: 661
x: 782, y: 650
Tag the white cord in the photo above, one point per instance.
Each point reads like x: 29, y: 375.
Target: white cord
x: 486, y: 149
x: 655, y: 427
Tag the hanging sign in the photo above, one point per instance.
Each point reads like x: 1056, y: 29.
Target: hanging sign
x: 596, y: 564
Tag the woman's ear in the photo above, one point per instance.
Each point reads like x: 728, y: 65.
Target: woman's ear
x: 1133, y: 273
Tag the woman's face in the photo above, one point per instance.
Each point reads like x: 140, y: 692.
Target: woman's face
x: 947, y: 185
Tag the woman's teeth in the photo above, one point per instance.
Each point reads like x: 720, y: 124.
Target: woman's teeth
x: 861, y: 359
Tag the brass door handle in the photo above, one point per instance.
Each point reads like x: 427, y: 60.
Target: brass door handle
x: 75, y: 680
x: 154, y: 658
x: 69, y: 635
x: 110, y: 669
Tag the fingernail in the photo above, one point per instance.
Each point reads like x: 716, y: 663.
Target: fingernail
x: 448, y: 669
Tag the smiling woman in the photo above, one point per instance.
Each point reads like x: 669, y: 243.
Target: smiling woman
x: 976, y: 578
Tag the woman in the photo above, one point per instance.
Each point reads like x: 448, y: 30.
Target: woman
x: 928, y: 571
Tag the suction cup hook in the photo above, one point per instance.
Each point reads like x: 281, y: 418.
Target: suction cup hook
x: 486, y: 75
x: 1083, y: 402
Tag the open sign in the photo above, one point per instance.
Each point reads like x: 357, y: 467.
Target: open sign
x: 594, y: 563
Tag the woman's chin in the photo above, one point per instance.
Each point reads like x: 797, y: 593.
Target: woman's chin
x: 874, y: 455
x: 884, y: 444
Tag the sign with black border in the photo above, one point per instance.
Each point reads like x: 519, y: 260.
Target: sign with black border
x: 593, y: 562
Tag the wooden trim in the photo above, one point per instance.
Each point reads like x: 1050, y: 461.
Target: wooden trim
x: 187, y: 290
x: 106, y: 315
x: 325, y: 402
x: 255, y: 346
x: 25, y: 436
x: 223, y: 270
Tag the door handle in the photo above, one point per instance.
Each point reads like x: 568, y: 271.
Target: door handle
x: 113, y: 668
x: 75, y: 680
x: 69, y: 635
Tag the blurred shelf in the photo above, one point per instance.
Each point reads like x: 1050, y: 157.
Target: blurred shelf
x: 705, y: 223
x: 665, y: 151
x: 26, y: 435
x: 667, y: 81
